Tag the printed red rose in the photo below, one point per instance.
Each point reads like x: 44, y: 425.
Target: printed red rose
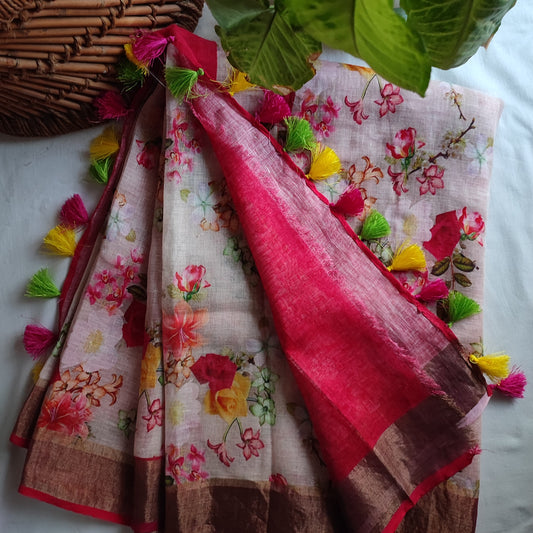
x: 445, y: 235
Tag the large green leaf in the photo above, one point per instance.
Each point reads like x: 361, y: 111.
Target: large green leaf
x: 453, y: 30
x: 371, y: 30
x: 262, y: 42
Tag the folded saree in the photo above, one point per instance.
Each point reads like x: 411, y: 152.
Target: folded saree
x: 242, y: 349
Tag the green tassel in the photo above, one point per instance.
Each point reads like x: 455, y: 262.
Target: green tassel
x: 180, y: 81
x: 375, y: 226
x: 299, y: 135
x: 460, y: 307
x: 130, y: 75
x: 41, y: 285
x: 99, y: 170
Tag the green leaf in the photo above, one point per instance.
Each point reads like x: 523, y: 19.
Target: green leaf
x: 184, y: 194
x: 440, y: 267
x: 261, y: 42
x: 463, y: 263
x: 462, y: 279
x: 453, y: 30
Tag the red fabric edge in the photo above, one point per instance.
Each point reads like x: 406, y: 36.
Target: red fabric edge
x: 147, y: 527
x: 428, y: 484
x: 69, y: 506
x: 202, y: 50
x: 19, y: 441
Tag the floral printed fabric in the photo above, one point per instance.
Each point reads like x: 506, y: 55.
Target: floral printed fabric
x: 172, y: 374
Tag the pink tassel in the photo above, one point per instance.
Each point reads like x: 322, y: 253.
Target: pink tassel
x: 73, y: 213
x: 273, y: 109
x: 350, y: 203
x: 433, y: 291
x: 149, y: 46
x: 38, y: 339
x: 111, y: 105
x: 513, y: 385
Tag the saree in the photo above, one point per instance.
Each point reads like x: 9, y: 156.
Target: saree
x: 238, y: 353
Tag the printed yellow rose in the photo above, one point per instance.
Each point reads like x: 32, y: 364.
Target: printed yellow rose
x: 229, y: 403
x: 150, y: 362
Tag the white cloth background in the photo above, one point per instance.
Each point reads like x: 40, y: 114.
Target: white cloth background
x: 37, y: 175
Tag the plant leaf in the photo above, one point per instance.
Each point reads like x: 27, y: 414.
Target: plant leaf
x: 453, y: 30
x: 261, y: 42
x: 440, y: 267
x: 463, y: 263
x: 462, y: 279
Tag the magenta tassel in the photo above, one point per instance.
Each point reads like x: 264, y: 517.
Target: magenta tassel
x: 513, y: 385
x: 111, y: 105
x: 350, y: 202
x: 273, y: 109
x: 433, y: 291
x: 38, y: 339
x: 73, y: 213
x: 149, y: 46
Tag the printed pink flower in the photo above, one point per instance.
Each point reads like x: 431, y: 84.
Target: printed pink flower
x: 222, y: 452
x: 431, y: 180
x: 196, y: 457
x: 63, y: 414
x: 399, y: 181
x: 136, y: 256
x: 105, y: 277
x: 155, y: 418
x: 404, y: 144
x: 179, y: 328
x: 251, y: 444
x: 196, y: 474
x: 94, y: 293
x: 472, y: 225
x: 329, y: 110
x: 278, y: 479
x: 175, y: 463
x: 445, y: 235
x: 148, y: 157
x: 356, y: 108
x: 391, y: 98
x: 191, y: 280
x: 307, y: 108
x: 324, y: 128
x: 217, y: 370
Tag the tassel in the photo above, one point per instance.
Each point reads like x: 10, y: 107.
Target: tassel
x: 513, y: 385
x: 73, y: 213
x: 36, y: 370
x: 374, y: 227
x: 239, y: 82
x: 60, y: 241
x: 180, y: 81
x: 38, y: 339
x: 408, y: 257
x: 495, y: 366
x: 130, y: 75
x: 149, y: 46
x: 299, y: 135
x: 324, y: 163
x: 105, y: 145
x: 350, y: 202
x: 99, y: 170
x: 433, y: 292
x: 41, y: 285
x: 274, y: 108
x: 460, y: 307
x: 128, y: 49
x: 111, y: 105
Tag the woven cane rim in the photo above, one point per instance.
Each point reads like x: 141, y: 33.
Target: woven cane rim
x: 57, y: 56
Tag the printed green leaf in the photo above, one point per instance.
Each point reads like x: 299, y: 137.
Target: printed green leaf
x: 462, y: 279
x: 453, y: 30
x: 440, y: 267
x: 261, y: 42
x: 463, y: 263
x: 184, y: 194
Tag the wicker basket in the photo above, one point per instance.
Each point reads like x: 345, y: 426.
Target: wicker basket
x: 56, y: 56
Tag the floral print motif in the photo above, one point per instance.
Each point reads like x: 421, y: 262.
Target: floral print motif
x: 148, y: 157
x: 320, y: 115
x: 182, y: 466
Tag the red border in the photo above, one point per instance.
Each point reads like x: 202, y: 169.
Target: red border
x: 428, y: 484
x: 19, y: 441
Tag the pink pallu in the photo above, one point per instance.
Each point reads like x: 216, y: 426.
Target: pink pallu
x: 223, y: 439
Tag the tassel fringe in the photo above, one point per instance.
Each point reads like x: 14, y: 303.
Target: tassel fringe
x: 350, y: 202
x: 111, y: 105
x: 140, y: 65
x: 99, y: 170
x: 60, y: 240
x: 461, y: 307
x: 149, y: 46
x: 130, y: 75
x: 38, y: 339
x: 41, y: 285
x: 299, y: 135
x: 239, y: 82
x: 408, y: 257
x: 374, y: 227
x: 181, y: 81
x: 73, y: 213
x: 105, y: 145
x: 495, y: 366
x: 324, y: 163
x: 274, y: 108
x: 513, y: 385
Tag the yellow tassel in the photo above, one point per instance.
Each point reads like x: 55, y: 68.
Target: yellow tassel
x: 105, y: 145
x: 324, y: 163
x: 36, y: 370
x: 495, y: 366
x: 408, y: 257
x: 60, y: 241
x: 238, y: 82
x: 128, y: 48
